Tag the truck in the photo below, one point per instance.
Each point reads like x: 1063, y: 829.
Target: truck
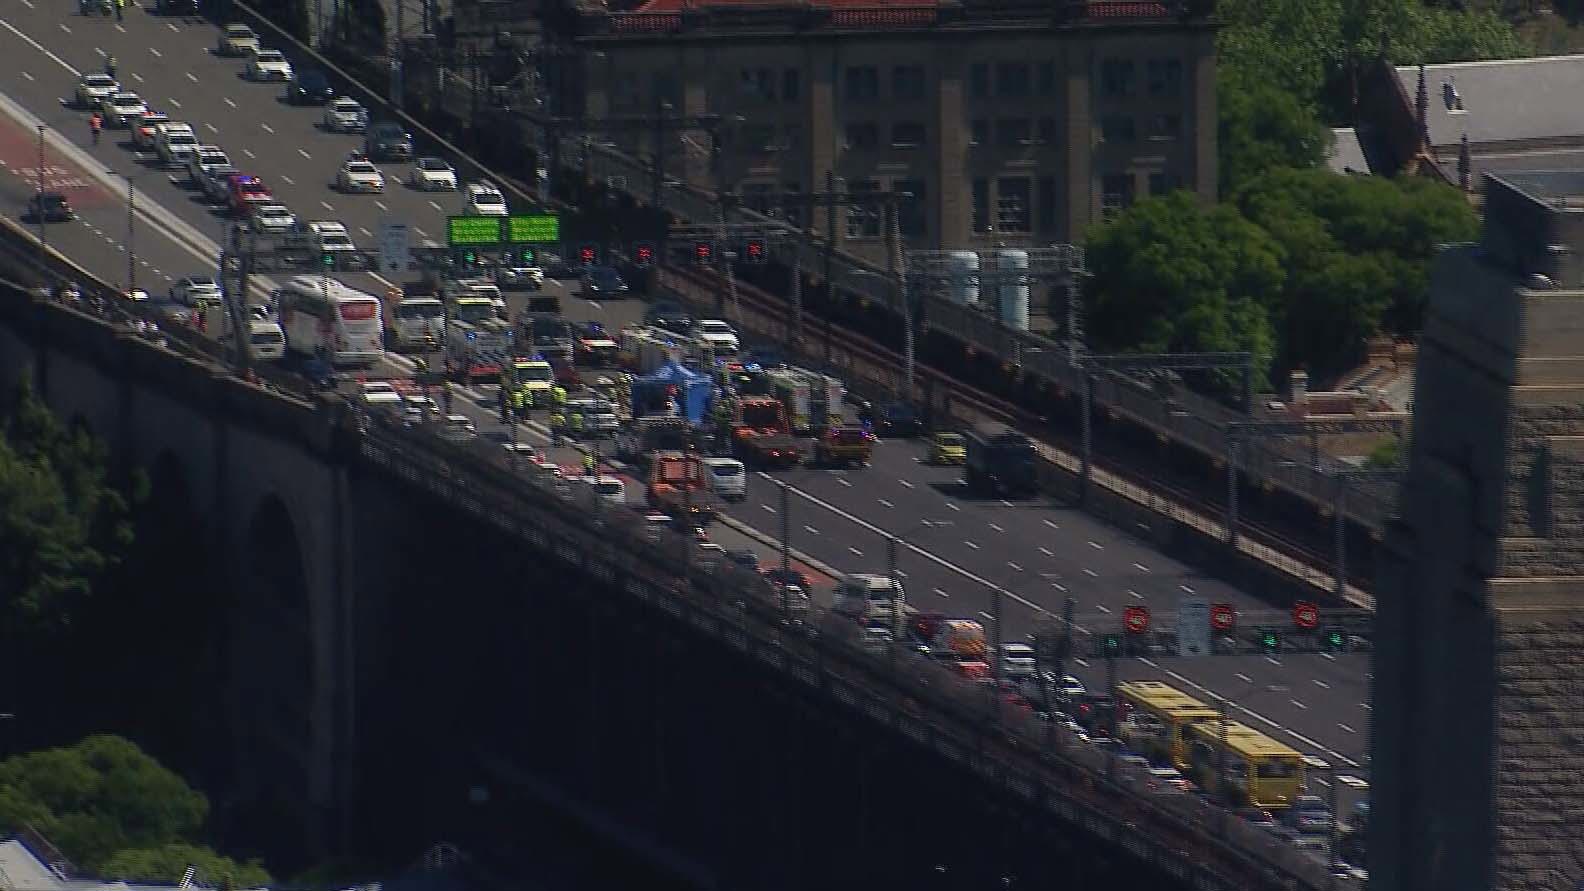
x: 678, y: 487
x: 868, y: 597
x: 792, y: 389
x: 1000, y: 462
x: 646, y: 349
x: 599, y: 417
x: 844, y: 445
x: 652, y: 433
x: 418, y: 322
x: 479, y: 343
x: 535, y: 374
x: 553, y: 337
x: 826, y: 395
x: 760, y: 435
x: 953, y: 640
x: 595, y: 348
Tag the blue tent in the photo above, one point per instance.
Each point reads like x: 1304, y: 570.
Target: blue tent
x: 649, y: 391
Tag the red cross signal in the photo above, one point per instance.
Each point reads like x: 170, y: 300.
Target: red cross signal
x: 1223, y: 617
x: 1306, y: 615
x: 1136, y: 619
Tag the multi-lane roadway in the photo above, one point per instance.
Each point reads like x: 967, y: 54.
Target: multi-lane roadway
x: 1040, y: 552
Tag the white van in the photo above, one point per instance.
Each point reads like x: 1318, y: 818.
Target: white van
x: 609, y: 489
x: 867, y: 596
x: 267, y: 339
x: 728, y: 478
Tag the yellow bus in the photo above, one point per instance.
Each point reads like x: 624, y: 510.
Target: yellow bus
x: 1260, y: 771
x: 1157, y: 716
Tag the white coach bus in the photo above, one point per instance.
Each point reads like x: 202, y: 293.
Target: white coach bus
x: 323, y: 317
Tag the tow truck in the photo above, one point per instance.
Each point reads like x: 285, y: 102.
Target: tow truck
x: 760, y: 435
x: 678, y: 487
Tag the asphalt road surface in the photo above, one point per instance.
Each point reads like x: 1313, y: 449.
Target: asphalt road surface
x: 1039, y: 551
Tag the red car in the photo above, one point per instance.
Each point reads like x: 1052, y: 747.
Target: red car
x: 244, y: 192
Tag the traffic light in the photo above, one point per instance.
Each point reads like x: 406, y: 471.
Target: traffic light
x: 703, y: 253
x: 643, y: 253
x: 1269, y: 641
x: 469, y: 258
x: 588, y: 254
x: 755, y: 250
x: 528, y: 256
x: 1111, y: 646
x: 1334, y: 640
x: 327, y: 259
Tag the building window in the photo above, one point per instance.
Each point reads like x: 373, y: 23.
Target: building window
x: 1165, y: 126
x: 1012, y: 79
x: 981, y: 205
x: 863, y: 137
x: 1046, y: 203
x: 1012, y: 132
x: 1046, y: 131
x: 758, y: 138
x: 1045, y: 78
x: 978, y: 131
x: 791, y: 85
x: 1117, y: 128
x: 625, y: 93
x: 907, y: 82
x: 863, y: 219
x: 1165, y: 77
x: 1116, y: 78
x: 1116, y: 193
x: 979, y: 80
x: 1163, y: 183
x: 1013, y: 211
x: 907, y: 134
x: 863, y: 83
x: 911, y: 217
x: 758, y: 83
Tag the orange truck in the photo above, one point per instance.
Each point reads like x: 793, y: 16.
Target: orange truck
x: 761, y: 435
x: 679, y: 486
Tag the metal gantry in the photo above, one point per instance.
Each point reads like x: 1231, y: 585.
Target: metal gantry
x: 719, y: 236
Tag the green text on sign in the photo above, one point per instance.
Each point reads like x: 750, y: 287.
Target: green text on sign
x: 473, y: 230
x: 530, y: 228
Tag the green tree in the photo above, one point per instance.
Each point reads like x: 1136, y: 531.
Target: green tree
x: 168, y: 862
x: 1388, y: 455
x: 62, y: 525
x: 1171, y: 275
x: 1262, y: 127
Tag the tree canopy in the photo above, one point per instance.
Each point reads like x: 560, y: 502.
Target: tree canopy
x: 114, y: 810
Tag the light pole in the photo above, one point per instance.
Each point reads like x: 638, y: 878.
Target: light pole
x: 899, y: 603
x: 38, y: 201
x: 898, y: 282
x: 131, y: 230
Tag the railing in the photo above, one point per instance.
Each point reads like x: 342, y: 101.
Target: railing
x: 1037, y: 761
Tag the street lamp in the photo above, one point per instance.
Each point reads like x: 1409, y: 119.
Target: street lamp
x: 899, y: 605
x: 131, y: 251
x: 899, y: 283
x: 38, y: 208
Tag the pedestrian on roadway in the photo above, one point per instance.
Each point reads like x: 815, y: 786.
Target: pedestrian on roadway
x: 110, y: 65
x: 501, y: 399
x: 95, y: 124
x: 588, y: 464
x: 120, y: 10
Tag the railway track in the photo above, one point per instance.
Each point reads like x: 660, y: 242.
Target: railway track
x: 875, y: 371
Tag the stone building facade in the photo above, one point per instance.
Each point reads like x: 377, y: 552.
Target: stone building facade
x: 1012, y: 122
x: 1477, y: 767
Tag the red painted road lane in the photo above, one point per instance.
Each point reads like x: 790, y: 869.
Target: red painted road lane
x: 19, y: 155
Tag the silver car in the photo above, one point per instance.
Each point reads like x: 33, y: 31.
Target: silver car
x: 345, y: 116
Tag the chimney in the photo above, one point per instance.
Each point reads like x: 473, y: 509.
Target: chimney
x: 1299, y: 385
x: 1422, y: 110
x: 1465, y: 164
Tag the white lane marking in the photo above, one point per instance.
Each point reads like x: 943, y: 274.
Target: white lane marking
x: 899, y: 573
x: 173, y: 27
x: 1186, y: 589
x: 157, y: 53
x: 381, y: 205
x: 267, y: 127
x: 941, y: 593
x: 212, y: 128
x: 810, y: 529
x: 1366, y: 706
x: 1273, y: 660
x: 192, y: 77
x: 26, y: 75
x: 1245, y: 678
x: 306, y: 156
x: 288, y: 180
x: 905, y: 484
x: 423, y: 234
x: 855, y: 551
x: 971, y: 545
x: 1060, y: 587
x: 366, y: 233
x: 1328, y: 657
x: 101, y: 52
x: 229, y: 102
x: 137, y: 77
x: 996, y: 528
x: 1083, y: 662
x: 121, y: 28
x: 64, y: 28
x: 1047, y: 551
x: 1097, y: 545
x: 1322, y: 684
x: 1091, y: 573
x: 249, y: 153
x: 1052, y: 524
x: 1103, y: 608
x: 438, y: 209
x: 1148, y: 661
x: 1299, y: 704
x: 1319, y: 780
x: 1005, y: 503
x: 1346, y: 729
x: 844, y: 482
x: 28, y: 3
x: 1141, y: 567
x: 950, y: 505
x: 326, y: 205
x: 767, y: 508
x: 885, y: 503
x: 1136, y: 595
x: 986, y: 616
x: 173, y: 103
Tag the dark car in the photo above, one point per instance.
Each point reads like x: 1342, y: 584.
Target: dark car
x: 176, y: 7
x: 603, y: 281
x: 744, y: 558
x: 50, y: 207
x: 899, y: 419
x: 670, y: 316
x: 309, y: 87
x: 787, y: 577
x: 387, y: 141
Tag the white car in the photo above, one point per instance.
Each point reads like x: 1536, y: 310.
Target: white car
x: 520, y: 278
x: 718, y: 335
x: 119, y: 108
x: 195, y: 289
x: 205, y: 161
x: 268, y: 64
x: 95, y: 88
x: 175, y: 143
x: 484, y: 200
x: 273, y: 218
x: 360, y: 176
x: 433, y: 175
x: 237, y: 40
x: 345, y: 116
x: 333, y: 237
x: 216, y: 183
